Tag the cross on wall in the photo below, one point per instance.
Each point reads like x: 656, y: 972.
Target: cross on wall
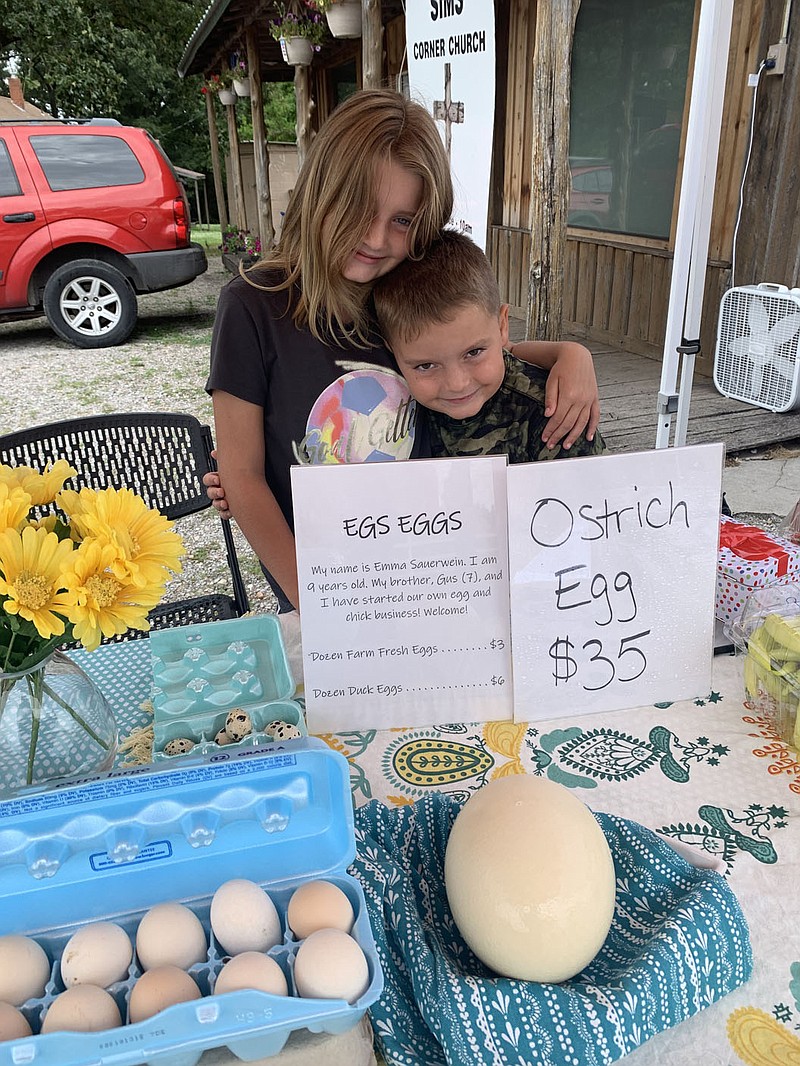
x: 448, y: 110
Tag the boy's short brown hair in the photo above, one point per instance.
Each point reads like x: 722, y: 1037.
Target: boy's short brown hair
x: 453, y: 274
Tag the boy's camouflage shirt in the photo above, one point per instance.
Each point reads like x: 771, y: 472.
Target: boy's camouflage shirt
x: 511, y: 423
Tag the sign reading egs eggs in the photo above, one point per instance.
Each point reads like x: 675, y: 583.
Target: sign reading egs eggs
x: 403, y: 572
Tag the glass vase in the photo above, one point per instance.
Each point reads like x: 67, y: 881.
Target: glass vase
x: 54, y: 723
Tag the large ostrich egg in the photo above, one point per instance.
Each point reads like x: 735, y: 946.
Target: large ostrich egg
x: 530, y: 879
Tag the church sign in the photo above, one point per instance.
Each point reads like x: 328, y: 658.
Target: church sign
x: 451, y: 71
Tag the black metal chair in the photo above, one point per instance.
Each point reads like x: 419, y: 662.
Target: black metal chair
x: 162, y: 458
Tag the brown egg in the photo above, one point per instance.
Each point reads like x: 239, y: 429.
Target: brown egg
x: 251, y: 969
x: 24, y: 969
x: 318, y: 905
x: 82, y: 1009
x: 13, y: 1023
x: 170, y: 935
x: 158, y: 989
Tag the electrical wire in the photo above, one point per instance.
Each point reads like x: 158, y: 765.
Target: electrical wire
x: 759, y: 72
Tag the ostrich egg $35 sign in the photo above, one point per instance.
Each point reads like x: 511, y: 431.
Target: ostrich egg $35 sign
x: 530, y: 879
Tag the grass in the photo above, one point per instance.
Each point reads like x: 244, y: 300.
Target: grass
x: 209, y: 236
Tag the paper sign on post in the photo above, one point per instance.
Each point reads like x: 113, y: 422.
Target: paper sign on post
x: 403, y: 571
x: 613, y: 569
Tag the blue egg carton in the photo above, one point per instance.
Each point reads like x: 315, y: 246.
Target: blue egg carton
x: 202, y: 672
x: 111, y: 847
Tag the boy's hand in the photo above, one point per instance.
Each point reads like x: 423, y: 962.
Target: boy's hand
x: 571, y: 399
x: 215, y: 491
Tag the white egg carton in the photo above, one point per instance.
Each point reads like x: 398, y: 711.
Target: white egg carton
x: 110, y: 848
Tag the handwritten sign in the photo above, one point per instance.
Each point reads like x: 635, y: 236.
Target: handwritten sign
x: 613, y: 569
x: 403, y: 571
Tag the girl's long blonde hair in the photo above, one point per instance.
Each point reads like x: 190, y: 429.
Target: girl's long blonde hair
x: 333, y: 204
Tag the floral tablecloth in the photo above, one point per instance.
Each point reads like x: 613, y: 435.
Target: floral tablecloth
x: 707, y: 772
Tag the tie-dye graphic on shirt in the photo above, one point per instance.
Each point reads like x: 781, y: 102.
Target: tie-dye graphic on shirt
x: 365, y: 416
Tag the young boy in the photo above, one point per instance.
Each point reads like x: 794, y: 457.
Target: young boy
x: 442, y: 318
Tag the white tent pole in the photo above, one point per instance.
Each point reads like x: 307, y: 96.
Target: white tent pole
x: 682, y: 339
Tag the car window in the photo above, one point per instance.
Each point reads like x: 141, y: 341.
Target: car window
x: 86, y: 161
x: 9, y: 185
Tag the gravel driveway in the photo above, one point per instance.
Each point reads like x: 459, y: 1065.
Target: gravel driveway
x: 162, y: 367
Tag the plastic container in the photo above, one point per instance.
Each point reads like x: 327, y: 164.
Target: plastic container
x: 202, y: 672
x: 768, y: 632
x: 112, y: 847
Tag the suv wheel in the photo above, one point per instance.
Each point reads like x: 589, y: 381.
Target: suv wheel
x: 90, y: 304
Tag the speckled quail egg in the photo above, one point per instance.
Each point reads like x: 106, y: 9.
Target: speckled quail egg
x: 223, y: 738
x: 285, y: 731
x: 178, y: 746
x: 238, y: 724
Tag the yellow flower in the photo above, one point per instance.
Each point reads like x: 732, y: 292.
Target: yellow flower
x: 101, y: 604
x: 31, y: 567
x: 14, y: 506
x: 43, y: 486
x: 147, y: 546
x: 48, y: 522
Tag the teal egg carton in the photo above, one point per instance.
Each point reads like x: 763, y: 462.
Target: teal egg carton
x: 111, y: 847
x: 203, y: 672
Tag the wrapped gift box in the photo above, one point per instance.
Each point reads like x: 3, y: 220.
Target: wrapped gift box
x: 750, y: 558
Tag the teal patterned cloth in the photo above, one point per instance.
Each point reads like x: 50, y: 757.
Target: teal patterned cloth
x: 678, y: 942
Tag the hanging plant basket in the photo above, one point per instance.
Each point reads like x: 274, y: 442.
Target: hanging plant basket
x: 297, y: 51
x: 344, y: 18
x: 227, y: 96
x: 241, y: 86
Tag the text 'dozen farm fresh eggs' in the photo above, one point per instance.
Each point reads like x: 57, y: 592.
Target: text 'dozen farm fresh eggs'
x: 530, y: 879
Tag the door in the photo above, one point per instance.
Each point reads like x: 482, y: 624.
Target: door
x: 23, y: 231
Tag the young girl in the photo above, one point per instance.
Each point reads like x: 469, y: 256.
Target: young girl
x: 298, y: 372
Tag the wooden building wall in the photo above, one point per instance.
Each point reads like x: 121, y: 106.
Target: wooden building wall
x: 616, y: 288
x: 768, y: 248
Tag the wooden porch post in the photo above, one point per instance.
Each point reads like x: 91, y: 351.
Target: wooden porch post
x: 371, y: 44
x: 216, y: 164
x: 260, y: 151
x: 550, y: 181
x: 302, y: 97
x: 238, y: 210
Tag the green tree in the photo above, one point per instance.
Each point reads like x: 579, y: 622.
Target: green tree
x: 280, y: 112
x: 118, y: 59
x: 84, y: 58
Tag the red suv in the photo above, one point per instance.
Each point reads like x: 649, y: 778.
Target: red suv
x: 90, y: 215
